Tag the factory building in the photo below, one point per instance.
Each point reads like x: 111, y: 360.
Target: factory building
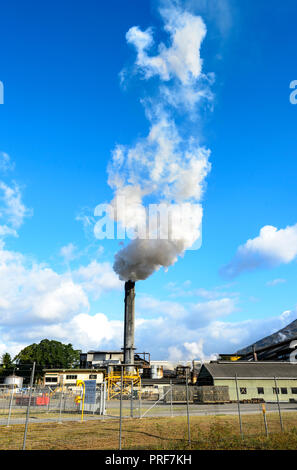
x: 66, y: 378
x: 252, y: 381
x: 95, y: 359
x: 281, y: 351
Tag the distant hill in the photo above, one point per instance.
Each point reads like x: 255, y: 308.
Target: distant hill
x: 287, y: 332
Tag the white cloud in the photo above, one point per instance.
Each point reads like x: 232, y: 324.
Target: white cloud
x: 219, y: 12
x: 6, y: 231
x: 63, y: 301
x: 275, y: 282
x: 97, y: 277
x: 271, y: 248
x: 32, y: 292
x: 184, y: 290
x: 175, y: 354
x: 68, y: 252
x: 182, y: 59
x: 12, y: 207
x: 178, y: 340
x: 195, y: 350
x: 208, y: 311
x: 153, y: 306
x: 171, y: 330
x: 87, y: 331
x: 37, y: 302
x: 179, y: 65
x: 168, y: 166
x: 5, y: 162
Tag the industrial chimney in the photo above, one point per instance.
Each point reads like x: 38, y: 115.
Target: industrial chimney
x: 129, y: 325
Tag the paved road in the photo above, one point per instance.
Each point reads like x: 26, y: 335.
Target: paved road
x: 204, y: 410
x: 226, y: 409
x: 51, y: 420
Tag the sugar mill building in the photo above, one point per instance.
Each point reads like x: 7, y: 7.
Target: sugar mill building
x: 267, y: 381
x: 280, y: 351
x: 67, y: 378
x: 93, y: 359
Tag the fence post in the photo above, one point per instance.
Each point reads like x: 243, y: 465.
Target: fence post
x: 238, y: 405
x: 60, y: 408
x: 171, y: 408
x: 278, y: 405
x: 10, y: 406
x: 28, y: 407
x: 139, y: 400
x: 265, y: 419
x: 104, y: 398
x: 188, y: 414
x: 101, y: 400
x: 121, y: 403
x: 61, y: 402
x: 131, y: 403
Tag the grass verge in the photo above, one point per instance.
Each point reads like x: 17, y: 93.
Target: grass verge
x: 207, y: 433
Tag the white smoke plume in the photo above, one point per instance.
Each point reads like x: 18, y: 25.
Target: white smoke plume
x: 169, y: 166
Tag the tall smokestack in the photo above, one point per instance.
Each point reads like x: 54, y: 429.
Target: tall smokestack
x: 129, y: 324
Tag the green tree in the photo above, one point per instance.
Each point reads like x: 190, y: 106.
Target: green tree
x: 7, y: 361
x: 49, y: 354
x: 7, y: 367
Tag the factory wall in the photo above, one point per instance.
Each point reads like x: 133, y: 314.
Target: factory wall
x: 249, y: 389
x: 69, y: 377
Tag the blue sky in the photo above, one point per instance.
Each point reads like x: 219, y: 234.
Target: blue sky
x: 65, y: 111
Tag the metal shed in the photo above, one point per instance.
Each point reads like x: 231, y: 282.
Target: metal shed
x: 265, y: 381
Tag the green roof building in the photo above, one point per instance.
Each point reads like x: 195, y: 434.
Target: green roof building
x: 267, y: 381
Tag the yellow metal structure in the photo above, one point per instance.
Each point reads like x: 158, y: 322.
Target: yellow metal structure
x: 229, y: 357
x: 114, y: 384
x: 81, y: 383
x: 235, y: 358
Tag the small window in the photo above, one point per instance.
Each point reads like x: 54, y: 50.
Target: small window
x: 284, y: 391
x: 71, y: 377
x: 275, y: 391
x: 260, y: 391
x: 294, y: 390
x: 243, y: 390
x: 51, y: 379
x: 91, y: 376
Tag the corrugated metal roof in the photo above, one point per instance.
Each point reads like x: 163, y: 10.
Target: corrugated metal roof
x: 255, y: 369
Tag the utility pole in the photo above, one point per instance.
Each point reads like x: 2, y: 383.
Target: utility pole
x: 238, y: 405
x: 29, y: 403
x: 188, y: 414
x: 278, y: 405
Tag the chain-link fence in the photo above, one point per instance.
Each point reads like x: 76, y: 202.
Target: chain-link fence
x: 254, y: 408
x: 257, y: 408
x: 47, y: 403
